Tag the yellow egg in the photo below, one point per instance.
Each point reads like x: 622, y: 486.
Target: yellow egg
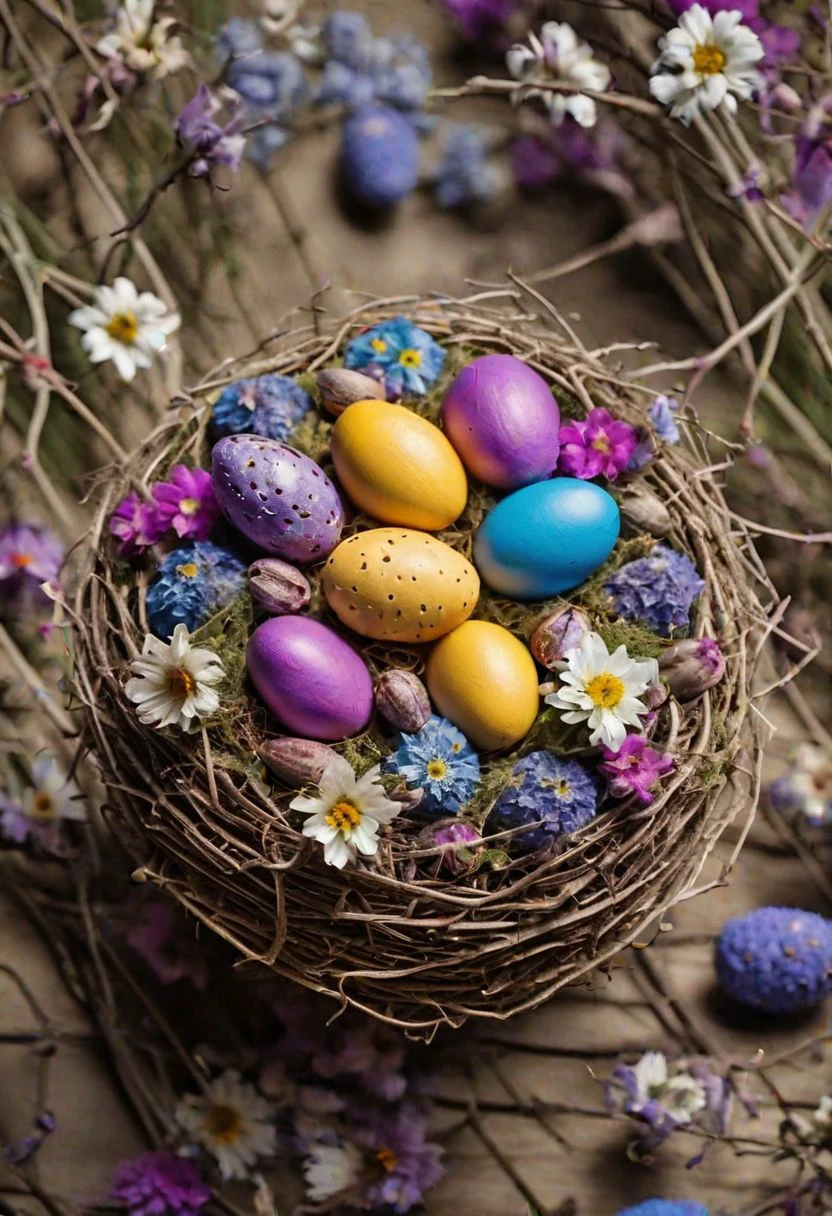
x: 398, y: 467
x: 484, y: 680
x: 399, y: 585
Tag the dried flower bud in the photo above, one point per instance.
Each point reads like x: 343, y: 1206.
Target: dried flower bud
x: 297, y: 762
x: 402, y: 699
x: 409, y: 799
x: 558, y: 634
x: 654, y: 696
x: 691, y: 666
x: 459, y: 841
x: 277, y: 586
x: 644, y: 511
x: 338, y: 388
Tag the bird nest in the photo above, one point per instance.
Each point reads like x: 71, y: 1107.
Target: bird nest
x: 201, y: 818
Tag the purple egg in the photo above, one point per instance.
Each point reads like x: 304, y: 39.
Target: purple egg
x: 311, y: 680
x: 278, y: 498
x: 502, y: 419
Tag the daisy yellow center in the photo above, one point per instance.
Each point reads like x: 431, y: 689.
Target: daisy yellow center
x: 43, y: 808
x: 605, y: 690
x: 180, y: 683
x: 387, y: 1159
x: 601, y: 444
x: 189, y: 506
x: 21, y: 560
x: 456, y: 748
x: 344, y: 816
x: 410, y: 358
x: 224, y: 1124
x: 188, y: 570
x: 378, y: 345
x: 708, y: 60
x: 437, y: 769
x: 124, y: 327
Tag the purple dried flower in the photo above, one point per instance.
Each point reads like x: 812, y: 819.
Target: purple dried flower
x: 593, y: 155
x: 135, y: 524
x: 635, y: 769
x: 657, y: 590
x: 598, y: 446
x: 662, y: 415
x: 692, y: 666
x: 661, y: 1095
x: 154, y: 934
x: 211, y: 143
x: 543, y: 786
x: 186, y: 503
x: 750, y: 9
x: 410, y: 1164
x: 21, y: 1151
x: 805, y: 790
x: 372, y: 1052
x: 483, y: 20
x: 812, y: 176
x: 159, y: 1184
x: 461, y: 840
x: 29, y: 555
x: 778, y: 960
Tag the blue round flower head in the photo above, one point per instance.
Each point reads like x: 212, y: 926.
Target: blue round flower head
x: 379, y: 156
x: 543, y: 786
x: 347, y: 38
x: 441, y: 761
x: 657, y: 590
x: 408, y: 356
x: 268, y: 405
x: 464, y: 175
x: 777, y: 960
x: 666, y: 1207
x: 191, y: 585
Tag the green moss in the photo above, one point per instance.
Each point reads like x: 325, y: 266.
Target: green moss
x: 638, y: 639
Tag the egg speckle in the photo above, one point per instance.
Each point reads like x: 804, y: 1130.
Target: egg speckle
x: 398, y: 466
x: 483, y: 679
x: 546, y: 538
x: 399, y: 585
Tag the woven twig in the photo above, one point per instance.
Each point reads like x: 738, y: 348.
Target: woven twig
x: 423, y: 952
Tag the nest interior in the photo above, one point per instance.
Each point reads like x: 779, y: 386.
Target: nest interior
x: 199, y: 817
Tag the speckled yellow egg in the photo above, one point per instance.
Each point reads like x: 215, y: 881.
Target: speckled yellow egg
x: 399, y: 585
x: 398, y: 467
x: 484, y: 680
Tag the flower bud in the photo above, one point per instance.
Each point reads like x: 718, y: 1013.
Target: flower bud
x: 559, y: 633
x: 691, y: 666
x: 459, y: 841
x: 277, y: 586
x: 402, y: 699
x: 338, y: 388
x: 297, y: 762
x: 644, y: 511
x: 407, y: 799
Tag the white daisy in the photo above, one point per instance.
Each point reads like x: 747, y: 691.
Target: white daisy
x: 172, y: 683
x: 346, y: 813
x: 603, y: 690
x: 705, y: 62
x: 144, y: 45
x: 681, y: 1095
x: 559, y: 56
x: 125, y: 325
x: 52, y: 795
x: 232, y: 1121
x: 330, y: 1170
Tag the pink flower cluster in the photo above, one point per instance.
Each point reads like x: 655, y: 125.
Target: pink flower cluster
x: 598, y: 446
x: 635, y: 769
x: 185, y: 503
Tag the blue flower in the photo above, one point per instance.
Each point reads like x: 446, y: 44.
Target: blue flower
x: 268, y: 405
x: 409, y: 357
x: 361, y: 69
x: 657, y: 590
x: 347, y: 38
x: 543, y: 786
x: 662, y: 416
x: 271, y: 83
x: 191, y: 585
x: 666, y: 1207
x: 439, y: 760
x: 464, y: 175
x: 238, y: 37
x: 778, y: 960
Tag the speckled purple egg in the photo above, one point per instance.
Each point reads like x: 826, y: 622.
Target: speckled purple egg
x: 278, y: 498
x: 502, y: 419
x: 311, y: 680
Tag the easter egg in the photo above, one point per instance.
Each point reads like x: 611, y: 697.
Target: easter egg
x: 278, y: 498
x: 397, y: 466
x: 310, y: 678
x: 502, y: 419
x: 484, y: 680
x: 379, y: 156
x: 546, y: 538
x: 399, y: 585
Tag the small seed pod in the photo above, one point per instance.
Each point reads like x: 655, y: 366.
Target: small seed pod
x: 278, y: 587
x: 297, y: 762
x: 692, y: 666
x: 402, y: 699
x: 338, y: 388
x: 644, y: 511
x: 559, y: 633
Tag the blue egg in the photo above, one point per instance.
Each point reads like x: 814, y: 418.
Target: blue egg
x: 379, y: 156
x: 546, y: 538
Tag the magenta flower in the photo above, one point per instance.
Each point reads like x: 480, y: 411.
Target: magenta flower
x: 600, y: 446
x: 635, y: 769
x: 135, y: 525
x: 29, y: 555
x: 186, y: 503
x: 159, y: 1184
